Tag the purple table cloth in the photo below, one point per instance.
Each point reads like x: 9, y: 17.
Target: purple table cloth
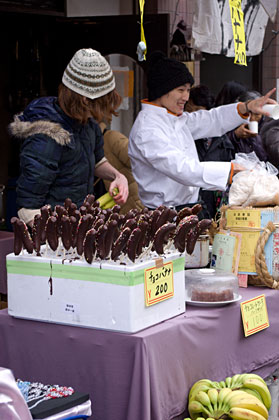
x: 146, y: 375
x: 6, y: 247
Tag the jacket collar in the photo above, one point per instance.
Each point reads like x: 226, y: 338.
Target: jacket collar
x: 146, y: 102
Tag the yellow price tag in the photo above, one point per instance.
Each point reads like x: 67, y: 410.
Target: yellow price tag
x: 238, y: 32
x: 158, y: 283
x: 254, y: 315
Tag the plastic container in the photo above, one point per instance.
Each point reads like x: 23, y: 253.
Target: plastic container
x: 200, y: 256
x: 210, y: 285
x: 273, y: 110
x: 253, y: 126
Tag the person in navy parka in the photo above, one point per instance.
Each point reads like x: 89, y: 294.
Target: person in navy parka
x: 62, y: 144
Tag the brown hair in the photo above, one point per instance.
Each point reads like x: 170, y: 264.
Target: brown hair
x: 100, y: 109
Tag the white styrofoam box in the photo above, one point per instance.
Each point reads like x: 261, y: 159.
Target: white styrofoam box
x: 105, y: 295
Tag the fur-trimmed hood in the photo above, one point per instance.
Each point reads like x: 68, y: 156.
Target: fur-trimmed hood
x: 43, y: 116
x: 24, y: 129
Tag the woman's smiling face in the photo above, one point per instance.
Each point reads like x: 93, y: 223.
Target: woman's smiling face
x: 175, y: 100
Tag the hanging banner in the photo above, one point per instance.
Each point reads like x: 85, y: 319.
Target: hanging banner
x: 212, y: 30
x: 238, y: 32
x: 142, y: 45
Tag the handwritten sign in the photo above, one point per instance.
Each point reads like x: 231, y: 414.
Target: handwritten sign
x: 238, y: 32
x: 226, y: 251
x: 158, y: 283
x: 250, y: 221
x: 254, y: 315
x: 244, y: 218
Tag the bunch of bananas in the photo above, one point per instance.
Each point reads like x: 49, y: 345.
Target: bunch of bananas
x: 241, y: 397
x: 106, y: 201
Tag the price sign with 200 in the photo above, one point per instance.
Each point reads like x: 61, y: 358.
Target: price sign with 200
x: 158, y: 283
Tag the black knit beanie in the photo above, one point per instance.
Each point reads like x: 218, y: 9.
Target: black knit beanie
x: 165, y: 74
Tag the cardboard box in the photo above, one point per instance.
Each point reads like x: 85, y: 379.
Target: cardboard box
x: 250, y: 222
x: 103, y: 295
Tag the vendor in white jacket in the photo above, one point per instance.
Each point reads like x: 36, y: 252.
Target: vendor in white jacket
x: 162, y: 149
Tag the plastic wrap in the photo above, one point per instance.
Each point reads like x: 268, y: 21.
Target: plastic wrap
x: 257, y: 186
x: 210, y: 285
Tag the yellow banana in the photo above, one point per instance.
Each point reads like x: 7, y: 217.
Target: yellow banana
x: 252, y: 376
x: 104, y: 199
x: 242, y: 395
x: 236, y: 393
x: 252, y: 392
x: 222, y: 394
x: 213, y: 396
x: 201, y: 385
x: 109, y: 204
x: 252, y: 403
x: 222, y: 384
x: 199, y: 382
x: 204, y: 399
x: 215, y: 384
x: 239, y: 413
x: 228, y: 382
x: 195, y: 408
x: 231, y: 395
x: 261, y: 387
x: 234, y: 382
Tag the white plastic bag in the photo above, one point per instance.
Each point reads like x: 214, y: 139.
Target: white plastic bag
x: 258, y: 186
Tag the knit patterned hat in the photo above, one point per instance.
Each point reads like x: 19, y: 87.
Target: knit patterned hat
x: 165, y: 74
x: 89, y: 74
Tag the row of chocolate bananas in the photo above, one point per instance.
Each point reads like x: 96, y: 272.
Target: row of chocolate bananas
x: 103, y: 234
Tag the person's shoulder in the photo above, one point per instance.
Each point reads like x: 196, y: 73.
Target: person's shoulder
x: 115, y: 137
x: 43, y: 108
x: 44, y: 102
x: 267, y: 124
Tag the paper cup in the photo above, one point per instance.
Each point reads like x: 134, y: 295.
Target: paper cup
x: 273, y: 110
x: 253, y: 126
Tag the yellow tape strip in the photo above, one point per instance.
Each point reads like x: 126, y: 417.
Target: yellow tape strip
x: 142, y: 37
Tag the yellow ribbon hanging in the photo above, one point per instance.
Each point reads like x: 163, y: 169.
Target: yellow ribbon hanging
x: 238, y: 32
x: 142, y: 37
